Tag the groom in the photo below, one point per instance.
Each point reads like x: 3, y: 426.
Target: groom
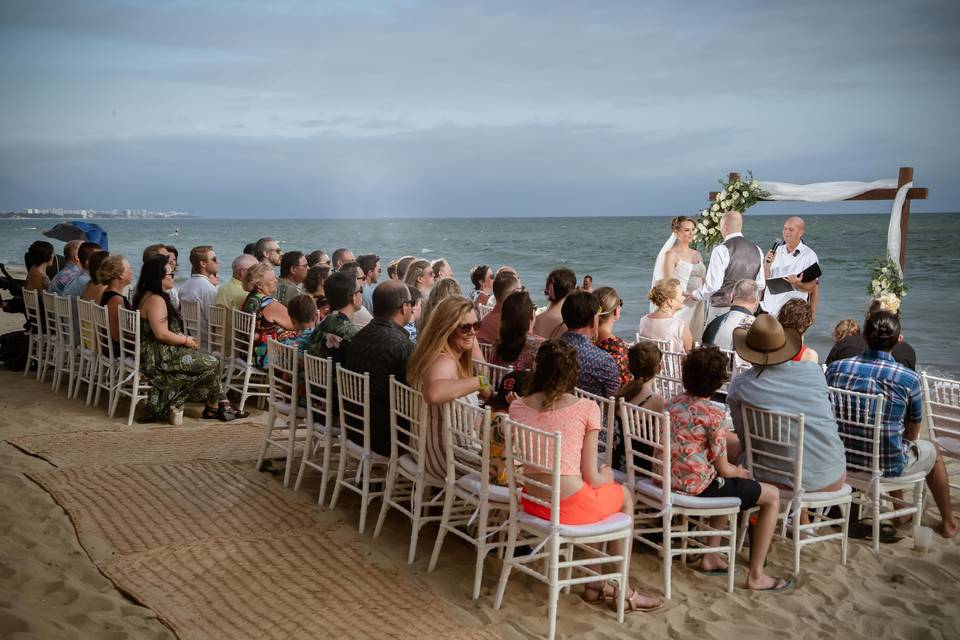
x: 736, y: 259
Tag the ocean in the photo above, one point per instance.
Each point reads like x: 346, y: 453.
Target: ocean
x: 617, y: 252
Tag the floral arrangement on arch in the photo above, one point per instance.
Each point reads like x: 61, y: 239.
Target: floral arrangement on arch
x: 886, y: 284
x: 734, y: 195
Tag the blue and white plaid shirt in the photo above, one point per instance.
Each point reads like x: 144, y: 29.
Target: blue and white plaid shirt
x: 876, y: 372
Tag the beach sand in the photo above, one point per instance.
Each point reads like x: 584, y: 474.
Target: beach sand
x: 51, y: 586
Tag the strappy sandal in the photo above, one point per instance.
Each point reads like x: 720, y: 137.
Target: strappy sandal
x: 230, y: 408
x: 630, y: 605
x: 601, y: 594
x: 220, y: 413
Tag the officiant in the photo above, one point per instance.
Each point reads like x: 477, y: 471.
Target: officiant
x: 795, y: 263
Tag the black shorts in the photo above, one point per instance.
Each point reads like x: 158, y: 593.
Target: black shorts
x: 747, y: 490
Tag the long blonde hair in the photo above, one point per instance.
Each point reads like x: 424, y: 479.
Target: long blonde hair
x: 435, y: 339
x: 443, y: 289
x: 414, y: 271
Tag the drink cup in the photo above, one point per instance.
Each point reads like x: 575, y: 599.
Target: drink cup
x: 922, y: 538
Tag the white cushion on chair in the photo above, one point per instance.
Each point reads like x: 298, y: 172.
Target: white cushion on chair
x: 358, y: 450
x: 619, y: 476
x: 410, y: 466
x: 647, y: 487
x: 863, y: 479
x: 610, y: 524
x: 497, y: 493
x: 845, y: 490
x: 284, y: 408
x: 321, y: 427
x: 949, y: 445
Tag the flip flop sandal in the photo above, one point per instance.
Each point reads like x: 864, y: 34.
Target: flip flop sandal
x: 779, y: 586
x: 864, y: 530
x: 717, y: 572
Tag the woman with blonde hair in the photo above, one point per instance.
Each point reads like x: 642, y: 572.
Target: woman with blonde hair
x: 663, y: 324
x: 117, y: 274
x: 95, y: 287
x: 272, y: 318
x: 420, y: 275
x: 610, y: 307
x: 441, y: 368
x: 444, y: 288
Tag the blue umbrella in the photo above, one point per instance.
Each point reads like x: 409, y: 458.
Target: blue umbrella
x: 79, y: 230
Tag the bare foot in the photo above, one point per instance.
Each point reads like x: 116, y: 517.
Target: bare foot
x: 949, y: 529
x: 712, y: 562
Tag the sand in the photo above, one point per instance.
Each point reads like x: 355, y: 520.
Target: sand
x: 51, y: 586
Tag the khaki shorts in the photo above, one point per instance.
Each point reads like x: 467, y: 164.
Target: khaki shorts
x: 921, y: 456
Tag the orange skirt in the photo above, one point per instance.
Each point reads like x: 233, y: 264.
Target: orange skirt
x: 586, y: 506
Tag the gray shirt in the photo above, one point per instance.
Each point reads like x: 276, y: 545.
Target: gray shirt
x: 794, y: 387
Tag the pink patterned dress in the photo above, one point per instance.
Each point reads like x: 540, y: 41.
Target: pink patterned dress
x: 699, y: 438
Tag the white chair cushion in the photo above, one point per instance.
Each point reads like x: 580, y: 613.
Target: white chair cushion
x: 497, y: 493
x: 357, y: 450
x: 410, y: 466
x: 284, y: 408
x: 845, y: 490
x: 321, y: 427
x: 647, y: 487
x: 619, y: 476
x: 949, y: 445
x: 610, y: 524
x: 862, y: 480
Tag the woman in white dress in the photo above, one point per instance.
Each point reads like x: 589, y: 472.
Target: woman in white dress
x: 678, y: 260
x: 665, y: 324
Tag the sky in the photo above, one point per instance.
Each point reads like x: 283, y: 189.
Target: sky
x: 398, y: 108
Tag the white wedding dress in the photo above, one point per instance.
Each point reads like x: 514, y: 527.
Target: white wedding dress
x: 691, y: 277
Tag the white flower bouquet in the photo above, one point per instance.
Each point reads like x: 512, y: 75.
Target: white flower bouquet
x: 886, y: 284
x: 737, y: 195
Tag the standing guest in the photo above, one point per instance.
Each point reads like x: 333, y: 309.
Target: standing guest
x: 269, y: 252
x: 70, y: 270
x: 598, y: 372
x: 117, y: 273
x: 482, y: 278
x: 441, y: 368
x: 503, y: 285
x: 902, y: 451
x: 37, y: 259
x: 788, y: 261
x: 370, y: 266
x: 332, y: 337
x: 560, y: 282
x: 340, y: 256
x: 742, y: 313
x: 610, y: 307
x: 736, y: 259
x: 95, y: 287
x: 442, y: 289
x: 420, y: 276
x: 587, y: 283
x: 700, y: 466
x: 361, y: 317
x: 76, y: 286
x: 663, y: 324
x: 317, y: 257
x: 516, y: 344
x: 797, y: 314
x: 178, y: 373
x: 272, y: 318
x: 392, y: 270
x: 441, y: 269
x: 855, y: 344
x: 382, y: 349
x: 416, y: 304
x: 679, y: 260
x: 204, y: 266
x: 293, y: 271
x: 402, y: 265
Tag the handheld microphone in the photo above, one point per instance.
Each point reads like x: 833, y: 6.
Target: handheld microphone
x: 776, y: 244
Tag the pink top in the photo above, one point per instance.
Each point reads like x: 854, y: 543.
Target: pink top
x: 571, y: 422
x: 669, y: 329
x: 699, y: 438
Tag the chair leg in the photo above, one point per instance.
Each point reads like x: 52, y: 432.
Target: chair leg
x: 387, y: 497
x: 918, y: 491
x: 507, y: 565
x: 133, y: 400
x: 291, y: 444
x: 845, y: 527
x: 268, y: 431
x: 365, y: 495
x: 796, y: 544
x: 876, y: 524
x: 448, y: 498
x: 325, y: 471
x: 667, y: 559
x: 624, y: 577
x: 731, y: 554
x: 416, y: 509
x: 341, y: 467
x: 307, y: 450
x: 553, y: 574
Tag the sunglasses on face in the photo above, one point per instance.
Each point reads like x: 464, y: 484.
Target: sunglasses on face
x: 469, y: 327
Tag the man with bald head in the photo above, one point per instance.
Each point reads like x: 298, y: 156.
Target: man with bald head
x: 788, y: 261
x: 735, y: 259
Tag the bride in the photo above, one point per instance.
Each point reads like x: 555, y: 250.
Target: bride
x: 678, y: 260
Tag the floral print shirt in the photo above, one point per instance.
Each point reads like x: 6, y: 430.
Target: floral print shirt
x: 332, y: 337
x: 617, y: 348
x: 699, y: 438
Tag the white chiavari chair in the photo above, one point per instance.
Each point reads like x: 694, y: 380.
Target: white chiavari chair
x: 130, y: 382
x: 283, y: 405
x: 37, y: 344
x: 243, y: 378
x: 320, y: 444
x: 941, y: 398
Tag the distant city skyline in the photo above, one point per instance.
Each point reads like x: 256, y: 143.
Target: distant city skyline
x: 402, y: 108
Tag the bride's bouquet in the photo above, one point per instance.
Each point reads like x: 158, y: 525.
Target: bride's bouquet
x: 886, y: 283
x: 736, y: 195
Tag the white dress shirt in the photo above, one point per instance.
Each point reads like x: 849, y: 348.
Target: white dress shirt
x: 719, y: 259
x: 787, y: 263
x: 199, y: 289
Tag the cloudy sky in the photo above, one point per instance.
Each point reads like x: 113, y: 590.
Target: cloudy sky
x: 405, y: 108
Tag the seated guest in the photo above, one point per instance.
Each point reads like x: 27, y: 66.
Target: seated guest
x: 318, y: 257
x: 516, y: 345
x: 663, y: 324
x: 361, y: 316
x: 293, y: 271
x: 313, y: 287
x: 482, y: 278
x: 269, y: 252
x: 250, y: 249
x: 700, y: 466
x: 332, y: 337
x: 843, y: 329
x: 442, y: 289
x: 303, y: 315
x: 876, y: 371
x: 503, y: 286
x: 855, y: 344
x: 746, y: 299
x: 560, y: 282
x: 643, y: 359
x: 797, y: 314
x: 588, y: 492
x: 78, y: 284
x: 178, y: 373
x: 598, y: 372
x: 204, y: 266
x: 370, y: 267
x: 441, y: 269
x: 382, y: 348
x: 37, y: 259
x: 441, y: 368
x: 341, y: 256
x: 392, y: 270
x: 610, y: 306
x: 69, y: 271
x: 419, y: 275
x: 95, y: 287
x: 231, y: 294
x: 402, y: 264
x: 416, y: 299
x: 780, y: 382
x: 116, y: 272
x: 272, y: 318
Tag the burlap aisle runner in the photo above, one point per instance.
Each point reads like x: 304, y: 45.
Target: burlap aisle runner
x: 160, y: 444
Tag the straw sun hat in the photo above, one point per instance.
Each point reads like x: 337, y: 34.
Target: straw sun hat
x: 766, y: 342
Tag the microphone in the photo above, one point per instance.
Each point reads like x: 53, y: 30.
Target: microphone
x: 776, y: 244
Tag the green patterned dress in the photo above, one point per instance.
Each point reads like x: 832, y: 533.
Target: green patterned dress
x: 177, y: 374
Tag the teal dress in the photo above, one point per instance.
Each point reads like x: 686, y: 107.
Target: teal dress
x: 176, y: 373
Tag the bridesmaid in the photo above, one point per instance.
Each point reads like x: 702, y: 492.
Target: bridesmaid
x: 686, y: 265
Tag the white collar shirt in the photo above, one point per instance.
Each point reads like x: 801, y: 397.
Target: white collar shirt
x: 787, y: 263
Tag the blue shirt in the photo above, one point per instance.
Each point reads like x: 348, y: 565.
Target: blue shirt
x: 77, y: 285
x: 876, y: 372
x: 64, y: 277
x: 598, y: 370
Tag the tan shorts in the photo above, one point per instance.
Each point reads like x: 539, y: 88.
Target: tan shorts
x: 921, y: 456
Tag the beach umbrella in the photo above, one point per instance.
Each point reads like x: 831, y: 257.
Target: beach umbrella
x: 78, y: 230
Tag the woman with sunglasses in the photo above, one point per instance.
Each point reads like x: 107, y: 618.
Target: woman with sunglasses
x: 441, y: 368
x: 178, y: 372
x: 610, y: 308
